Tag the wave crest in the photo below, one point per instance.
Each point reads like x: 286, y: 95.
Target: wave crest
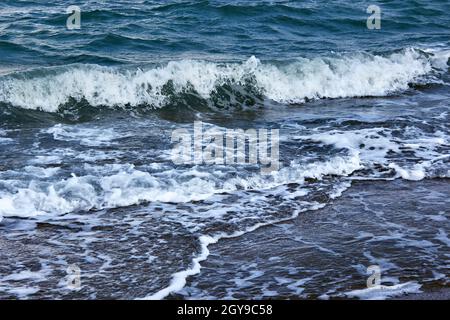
x: 357, y: 75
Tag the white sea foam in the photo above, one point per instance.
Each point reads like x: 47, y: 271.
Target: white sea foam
x: 20, y: 292
x: 179, y: 278
x: 382, y: 292
x: 125, y: 185
x: 439, y: 57
x: 24, y: 275
x: 414, y: 174
x: 342, y: 76
x: 377, y: 145
x: 85, y: 136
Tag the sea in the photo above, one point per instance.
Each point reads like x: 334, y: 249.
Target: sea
x: 354, y: 94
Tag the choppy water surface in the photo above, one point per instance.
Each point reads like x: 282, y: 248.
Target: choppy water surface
x: 87, y: 179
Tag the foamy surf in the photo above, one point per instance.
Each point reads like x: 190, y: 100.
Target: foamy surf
x: 129, y: 186
x: 179, y: 279
x: 382, y: 292
x: 88, y: 116
x: 340, y: 76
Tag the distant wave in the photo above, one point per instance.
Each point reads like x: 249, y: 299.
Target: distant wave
x: 222, y: 84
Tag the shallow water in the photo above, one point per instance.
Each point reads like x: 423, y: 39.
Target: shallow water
x: 87, y: 178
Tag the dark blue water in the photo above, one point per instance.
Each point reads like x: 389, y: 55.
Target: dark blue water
x: 120, y: 32
x: 87, y: 178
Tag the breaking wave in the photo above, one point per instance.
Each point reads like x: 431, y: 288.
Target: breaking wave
x: 223, y: 84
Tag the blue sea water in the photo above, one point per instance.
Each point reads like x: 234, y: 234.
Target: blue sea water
x: 87, y: 116
x: 124, y: 32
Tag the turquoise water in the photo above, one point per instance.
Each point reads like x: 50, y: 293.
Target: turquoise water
x: 87, y: 178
